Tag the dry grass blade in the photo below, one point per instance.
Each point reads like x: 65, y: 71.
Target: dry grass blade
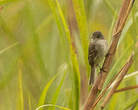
x: 124, y: 12
x: 127, y: 4
x: 126, y: 88
x: 123, y: 15
x: 92, y: 95
x: 107, y: 87
x: 119, y: 79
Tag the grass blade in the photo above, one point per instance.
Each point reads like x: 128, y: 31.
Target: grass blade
x: 74, y: 62
x: 111, y: 27
x: 44, y: 93
x: 29, y: 102
x: 2, y: 2
x: 83, y: 27
x: 35, y: 39
x: 55, y: 96
x: 21, y: 99
x: 131, y: 75
x: 9, y: 47
x: 109, y: 5
x: 50, y: 105
x: 44, y: 23
x: 58, y: 22
x: 62, y: 69
x: 117, y: 65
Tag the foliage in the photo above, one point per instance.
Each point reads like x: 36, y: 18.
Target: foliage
x: 36, y: 42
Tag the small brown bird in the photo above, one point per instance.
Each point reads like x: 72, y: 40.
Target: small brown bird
x: 97, y: 50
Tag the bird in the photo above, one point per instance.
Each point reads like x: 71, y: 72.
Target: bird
x: 96, y: 52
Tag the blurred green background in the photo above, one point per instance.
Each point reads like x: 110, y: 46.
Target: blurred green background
x: 44, y: 49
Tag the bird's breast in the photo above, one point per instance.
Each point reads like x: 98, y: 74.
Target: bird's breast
x: 101, y: 47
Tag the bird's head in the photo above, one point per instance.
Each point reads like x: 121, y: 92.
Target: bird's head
x: 97, y: 35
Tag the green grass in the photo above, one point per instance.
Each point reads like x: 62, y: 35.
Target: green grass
x: 20, y: 88
x: 39, y: 65
x: 42, y: 99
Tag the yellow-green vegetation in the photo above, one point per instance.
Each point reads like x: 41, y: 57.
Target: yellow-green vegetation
x: 44, y: 53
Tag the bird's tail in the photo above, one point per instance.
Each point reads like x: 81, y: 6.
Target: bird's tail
x: 91, y: 81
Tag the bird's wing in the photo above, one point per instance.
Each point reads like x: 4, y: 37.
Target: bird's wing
x: 92, y: 53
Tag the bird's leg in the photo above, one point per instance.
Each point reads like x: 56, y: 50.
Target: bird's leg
x: 100, y: 68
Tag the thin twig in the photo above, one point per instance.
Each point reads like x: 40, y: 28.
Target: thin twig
x: 119, y: 79
x: 126, y: 88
